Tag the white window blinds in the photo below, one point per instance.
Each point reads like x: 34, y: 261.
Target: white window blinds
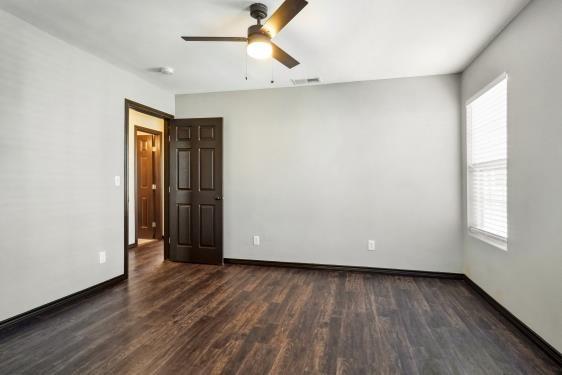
x: 487, y: 160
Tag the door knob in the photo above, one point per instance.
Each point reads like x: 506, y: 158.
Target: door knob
x: 218, y: 198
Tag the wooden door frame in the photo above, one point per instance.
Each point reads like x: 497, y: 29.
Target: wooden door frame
x: 129, y: 104
x: 159, y: 189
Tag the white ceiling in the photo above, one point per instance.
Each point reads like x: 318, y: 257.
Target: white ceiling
x: 336, y: 40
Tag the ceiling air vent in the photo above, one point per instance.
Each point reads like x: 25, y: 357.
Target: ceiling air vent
x: 305, y: 81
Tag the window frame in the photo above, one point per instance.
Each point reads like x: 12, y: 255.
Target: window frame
x: 489, y: 238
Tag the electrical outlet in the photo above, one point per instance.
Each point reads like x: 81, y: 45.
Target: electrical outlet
x: 117, y: 180
x: 102, y: 257
x: 256, y: 240
x: 371, y: 245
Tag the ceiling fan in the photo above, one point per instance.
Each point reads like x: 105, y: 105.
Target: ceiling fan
x: 259, y: 36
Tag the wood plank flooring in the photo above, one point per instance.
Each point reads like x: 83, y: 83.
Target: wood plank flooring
x: 172, y: 318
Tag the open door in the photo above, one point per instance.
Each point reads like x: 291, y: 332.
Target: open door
x: 196, y: 190
x: 148, y: 184
x: 146, y: 221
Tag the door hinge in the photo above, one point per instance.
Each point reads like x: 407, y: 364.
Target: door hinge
x: 153, y: 224
x: 169, y: 189
x: 153, y: 186
x: 169, y: 240
x: 153, y: 148
x: 169, y: 138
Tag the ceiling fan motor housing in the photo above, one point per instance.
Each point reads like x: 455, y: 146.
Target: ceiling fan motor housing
x: 255, y: 33
x: 258, y: 11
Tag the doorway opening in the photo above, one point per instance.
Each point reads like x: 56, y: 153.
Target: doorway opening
x: 146, y: 178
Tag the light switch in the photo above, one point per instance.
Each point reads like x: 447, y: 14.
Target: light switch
x: 102, y: 257
x: 117, y: 180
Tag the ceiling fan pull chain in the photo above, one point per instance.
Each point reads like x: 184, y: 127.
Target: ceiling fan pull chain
x: 272, y: 78
x: 246, y: 60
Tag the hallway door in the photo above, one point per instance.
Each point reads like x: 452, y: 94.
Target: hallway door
x: 148, y: 185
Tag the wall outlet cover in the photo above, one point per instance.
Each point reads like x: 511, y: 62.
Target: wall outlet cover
x: 256, y: 240
x: 371, y: 245
x: 102, y: 257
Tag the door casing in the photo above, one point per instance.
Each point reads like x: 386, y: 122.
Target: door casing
x: 129, y: 104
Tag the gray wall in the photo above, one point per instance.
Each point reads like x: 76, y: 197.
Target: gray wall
x: 317, y: 171
x: 527, y: 279
x: 61, y: 119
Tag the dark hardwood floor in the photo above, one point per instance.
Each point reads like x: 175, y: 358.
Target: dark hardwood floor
x: 172, y: 318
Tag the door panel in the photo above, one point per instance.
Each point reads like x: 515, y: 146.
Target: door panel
x: 184, y: 221
x: 206, y: 169
x: 196, y: 190
x: 207, y: 227
x: 144, y: 216
x: 184, y: 169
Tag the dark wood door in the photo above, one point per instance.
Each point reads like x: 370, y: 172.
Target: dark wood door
x: 196, y: 190
x: 145, y: 187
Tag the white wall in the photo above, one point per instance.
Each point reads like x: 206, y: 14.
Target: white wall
x: 527, y: 279
x: 146, y: 121
x: 61, y: 119
x: 317, y: 171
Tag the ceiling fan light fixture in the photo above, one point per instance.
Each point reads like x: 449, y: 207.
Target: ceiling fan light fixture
x: 259, y: 47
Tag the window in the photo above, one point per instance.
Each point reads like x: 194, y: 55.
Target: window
x: 486, y: 115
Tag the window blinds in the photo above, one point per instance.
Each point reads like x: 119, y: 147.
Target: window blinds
x: 487, y: 160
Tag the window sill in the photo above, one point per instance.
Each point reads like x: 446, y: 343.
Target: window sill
x: 502, y: 245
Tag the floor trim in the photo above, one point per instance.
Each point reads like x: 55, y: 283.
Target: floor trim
x: 532, y: 335
x: 61, y: 302
x: 332, y: 267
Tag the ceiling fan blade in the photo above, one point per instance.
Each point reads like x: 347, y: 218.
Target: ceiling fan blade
x: 214, y: 39
x: 283, y: 15
x: 283, y: 57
